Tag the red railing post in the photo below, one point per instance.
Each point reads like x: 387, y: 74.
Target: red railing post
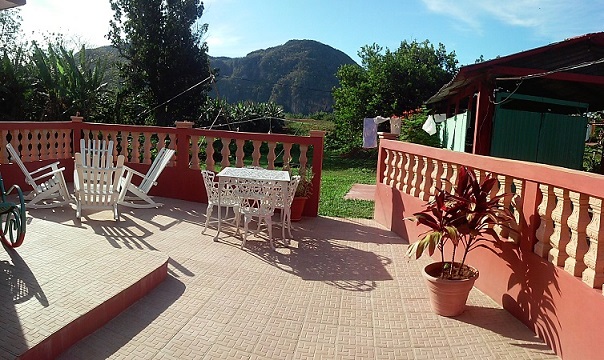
x: 183, y: 138
x: 312, y: 204
x: 77, y: 122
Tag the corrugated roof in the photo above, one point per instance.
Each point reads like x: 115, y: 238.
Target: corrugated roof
x: 585, y: 84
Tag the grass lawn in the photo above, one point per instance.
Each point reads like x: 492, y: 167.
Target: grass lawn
x: 339, y: 174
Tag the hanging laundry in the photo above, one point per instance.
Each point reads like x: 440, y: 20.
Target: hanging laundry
x: 369, y: 133
x: 430, y: 125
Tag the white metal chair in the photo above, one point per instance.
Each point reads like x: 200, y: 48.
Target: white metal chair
x: 140, y: 192
x: 97, y: 187
x: 285, y: 204
x: 226, y: 199
x: 257, y: 199
x: 48, y: 183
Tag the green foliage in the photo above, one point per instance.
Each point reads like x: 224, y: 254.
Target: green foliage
x: 65, y: 83
x: 242, y: 116
x: 462, y: 218
x: 411, y: 130
x: 165, y: 56
x: 387, y: 83
x: 15, y: 80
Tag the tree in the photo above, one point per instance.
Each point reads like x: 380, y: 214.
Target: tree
x: 387, y: 83
x: 66, y: 84
x: 165, y: 56
x: 10, y: 29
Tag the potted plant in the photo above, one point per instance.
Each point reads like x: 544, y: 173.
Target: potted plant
x: 303, y: 192
x: 457, y: 223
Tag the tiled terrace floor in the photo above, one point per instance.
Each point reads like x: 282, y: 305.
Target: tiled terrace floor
x: 343, y: 290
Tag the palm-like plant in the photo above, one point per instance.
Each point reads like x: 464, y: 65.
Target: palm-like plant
x: 464, y: 217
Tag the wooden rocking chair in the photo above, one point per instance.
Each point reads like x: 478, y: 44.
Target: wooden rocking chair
x: 48, y: 183
x: 97, y: 187
x: 139, y: 193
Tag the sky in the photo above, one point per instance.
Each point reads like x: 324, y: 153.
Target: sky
x: 471, y: 28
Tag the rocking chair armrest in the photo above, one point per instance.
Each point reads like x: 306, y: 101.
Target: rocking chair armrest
x: 53, y: 166
x: 131, y: 170
x: 49, y: 174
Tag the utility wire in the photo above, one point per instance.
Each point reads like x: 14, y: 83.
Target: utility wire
x: 211, y: 77
x: 562, y: 69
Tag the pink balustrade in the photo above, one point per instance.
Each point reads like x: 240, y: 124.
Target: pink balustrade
x: 549, y: 272
x: 40, y: 143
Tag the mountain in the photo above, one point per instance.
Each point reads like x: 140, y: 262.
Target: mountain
x: 299, y: 75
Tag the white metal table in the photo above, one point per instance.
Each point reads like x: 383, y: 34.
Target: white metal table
x: 234, y: 173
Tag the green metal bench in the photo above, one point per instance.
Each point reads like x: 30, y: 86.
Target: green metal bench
x: 12, y: 217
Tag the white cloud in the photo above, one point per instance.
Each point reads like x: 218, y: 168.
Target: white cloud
x: 82, y: 22
x: 545, y: 18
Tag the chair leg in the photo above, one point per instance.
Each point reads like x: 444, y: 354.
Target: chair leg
x: 269, y: 225
x: 246, y: 221
x: 208, y: 214
x: 288, y: 221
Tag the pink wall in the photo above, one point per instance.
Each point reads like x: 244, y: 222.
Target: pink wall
x: 559, y: 307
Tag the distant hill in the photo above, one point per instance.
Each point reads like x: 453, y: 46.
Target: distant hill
x: 298, y: 75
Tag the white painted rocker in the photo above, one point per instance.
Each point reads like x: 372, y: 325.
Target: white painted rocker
x: 139, y: 197
x: 97, y: 187
x: 47, y: 182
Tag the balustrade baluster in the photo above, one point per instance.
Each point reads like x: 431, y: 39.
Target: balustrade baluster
x: 437, y: 173
x: 416, y: 176
x: 147, y: 146
x: 561, y: 235
x: 287, y: 155
x: 505, y: 187
x: 210, y: 163
x: 239, y: 154
x: 517, y: 209
x: 256, y: 153
x: 409, y: 163
x: 271, y: 156
x: 3, y: 151
x: 593, y: 275
x: 195, y: 153
x: 577, y: 222
x: 393, y: 169
x: 546, y: 226
x: 426, y: 181
x: 225, y: 152
x: 303, y: 157
x: 136, y: 143
x: 387, y: 164
x: 400, y: 178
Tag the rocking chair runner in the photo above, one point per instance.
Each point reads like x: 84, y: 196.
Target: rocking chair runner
x: 148, y: 180
x: 49, y: 187
x: 12, y: 217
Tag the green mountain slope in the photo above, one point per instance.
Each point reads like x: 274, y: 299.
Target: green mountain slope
x: 298, y: 75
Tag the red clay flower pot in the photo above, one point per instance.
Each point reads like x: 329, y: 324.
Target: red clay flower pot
x: 447, y: 297
x: 297, y: 208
